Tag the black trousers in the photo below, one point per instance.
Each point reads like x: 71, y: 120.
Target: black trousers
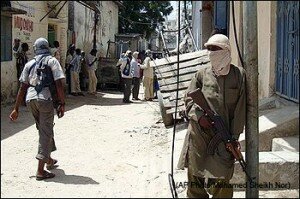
x: 127, y: 89
x: 68, y: 79
x: 136, y: 81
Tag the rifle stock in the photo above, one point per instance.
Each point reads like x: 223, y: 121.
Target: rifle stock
x: 199, y: 99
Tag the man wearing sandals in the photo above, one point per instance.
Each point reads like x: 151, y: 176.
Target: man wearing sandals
x: 39, y: 101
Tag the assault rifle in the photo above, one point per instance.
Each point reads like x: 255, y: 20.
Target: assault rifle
x: 221, y: 133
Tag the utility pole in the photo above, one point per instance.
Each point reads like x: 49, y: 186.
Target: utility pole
x: 95, y: 29
x: 251, y: 66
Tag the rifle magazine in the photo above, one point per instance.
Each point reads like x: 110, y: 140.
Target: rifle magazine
x: 213, y: 144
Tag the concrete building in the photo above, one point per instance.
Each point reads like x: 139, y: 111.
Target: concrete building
x: 28, y: 26
x: 171, y: 24
x: 278, y: 41
x: 67, y: 22
x: 82, y: 25
x: 131, y: 41
x: 170, y: 37
x: 278, y: 47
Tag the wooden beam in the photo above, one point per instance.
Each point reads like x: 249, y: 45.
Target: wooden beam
x: 172, y: 67
x: 172, y: 95
x: 173, y: 59
x: 184, y: 71
x: 179, y: 109
x: 173, y: 87
x: 173, y: 80
x: 172, y: 104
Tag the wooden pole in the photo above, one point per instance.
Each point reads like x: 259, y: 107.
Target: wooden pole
x: 251, y: 66
x: 95, y: 30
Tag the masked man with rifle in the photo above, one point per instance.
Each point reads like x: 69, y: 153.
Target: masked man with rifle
x: 42, y: 78
x: 207, y: 150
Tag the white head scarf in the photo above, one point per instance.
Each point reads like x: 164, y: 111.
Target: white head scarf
x: 135, y: 54
x: 128, y: 52
x: 221, y: 59
x: 41, y: 46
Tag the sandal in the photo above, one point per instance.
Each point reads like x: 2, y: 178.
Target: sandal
x: 52, y: 166
x: 46, y: 175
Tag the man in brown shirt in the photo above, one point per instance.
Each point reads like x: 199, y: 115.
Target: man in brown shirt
x: 223, y: 84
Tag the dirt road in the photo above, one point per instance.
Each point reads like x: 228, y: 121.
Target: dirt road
x: 105, y: 149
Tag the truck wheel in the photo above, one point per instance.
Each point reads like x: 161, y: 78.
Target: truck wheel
x: 167, y: 118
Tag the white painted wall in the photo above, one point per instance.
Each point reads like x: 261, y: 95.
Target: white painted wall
x: 196, y: 23
x: 266, y: 29
x: 84, y: 26
x: 263, y: 33
x: 109, y: 25
x: 207, y: 23
x: 35, y: 11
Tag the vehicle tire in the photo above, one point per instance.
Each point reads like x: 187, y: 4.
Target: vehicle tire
x: 167, y: 118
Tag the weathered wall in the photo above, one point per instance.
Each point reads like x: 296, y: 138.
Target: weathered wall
x: 266, y: 62
x: 109, y: 24
x: 196, y: 21
x: 238, y: 12
x: 84, y: 26
x: 35, y: 11
x: 61, y: 27
x: 207, y: 21
x: 266, y: 29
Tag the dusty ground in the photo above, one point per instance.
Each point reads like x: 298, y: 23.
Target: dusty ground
x: 105, y: 149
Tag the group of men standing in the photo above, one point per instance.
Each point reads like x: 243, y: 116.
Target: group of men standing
x: 132, y: 69
x: 79, y: 68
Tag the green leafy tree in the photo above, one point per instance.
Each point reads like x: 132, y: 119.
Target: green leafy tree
x: 142, y: 16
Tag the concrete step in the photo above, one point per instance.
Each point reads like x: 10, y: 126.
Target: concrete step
x: 279, y: 169
x: 286, y: 144
x: 275, y: 123
x: 289, y: 193
x: 274, y: 102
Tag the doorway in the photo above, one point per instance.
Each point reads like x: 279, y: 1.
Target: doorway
x: 51, y: 34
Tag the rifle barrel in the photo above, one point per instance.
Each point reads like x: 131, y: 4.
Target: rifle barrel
x: 243, y: 165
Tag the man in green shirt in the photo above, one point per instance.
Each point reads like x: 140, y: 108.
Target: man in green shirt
x: 223, y: 85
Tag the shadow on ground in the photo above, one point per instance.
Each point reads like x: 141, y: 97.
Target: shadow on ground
x: 61, y: 177
x: 25, y: 120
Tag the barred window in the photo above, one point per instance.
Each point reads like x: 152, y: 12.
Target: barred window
x: 6, y: 38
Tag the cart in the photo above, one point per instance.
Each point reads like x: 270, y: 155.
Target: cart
x: 166, y: 72
x: 107, y: 73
